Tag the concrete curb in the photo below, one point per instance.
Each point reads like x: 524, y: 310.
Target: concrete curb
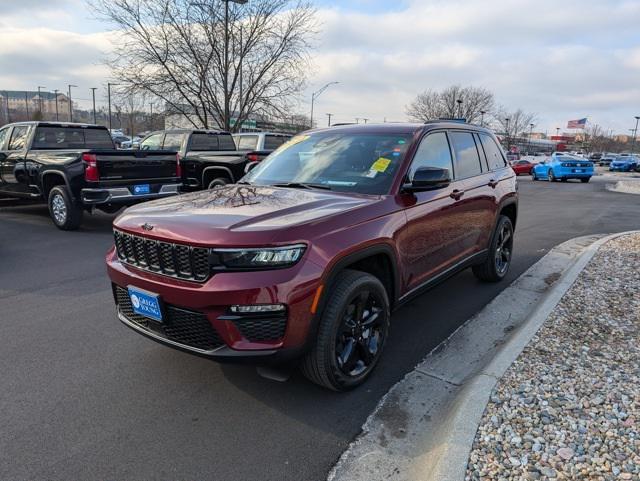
x: 463, y: 421
x: 424, y: 428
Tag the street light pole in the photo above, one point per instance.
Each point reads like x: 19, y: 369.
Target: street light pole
x: 71, y: 104
x: 482, y: 112
x: 508, y: 136
x: 459, y: 102
x: 317, y: 94
x: 55, y: 92
x: 93, y: 94
x: 40, y: 100
x: 635, y: 135
x: 329, y: 116
x: 109, y: 102
x: 530, y: 134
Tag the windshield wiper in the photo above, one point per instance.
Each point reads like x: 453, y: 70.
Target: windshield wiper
x: 302, y: 185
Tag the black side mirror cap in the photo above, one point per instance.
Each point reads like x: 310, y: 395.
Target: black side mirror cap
x: 428, y: 178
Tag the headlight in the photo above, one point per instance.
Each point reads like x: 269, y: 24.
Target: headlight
x: 260, y: 257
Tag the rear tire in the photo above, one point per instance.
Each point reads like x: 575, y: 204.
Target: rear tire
x: 66, y: 214
x: 498, y: 261
x: 351, y: 334
x: 218, y: 182
x: 550, y: 176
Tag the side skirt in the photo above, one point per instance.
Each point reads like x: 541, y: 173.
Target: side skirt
x: 477, y: 258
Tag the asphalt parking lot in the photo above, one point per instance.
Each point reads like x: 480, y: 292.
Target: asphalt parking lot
x: 83, y: 397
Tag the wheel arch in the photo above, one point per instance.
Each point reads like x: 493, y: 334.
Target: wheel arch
x: 209, y: 173
x: 378, y: 260
x: 52, y: 178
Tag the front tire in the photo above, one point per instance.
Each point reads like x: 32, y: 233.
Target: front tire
x: 533, y: 175
x: 66, y: 214
x: 351, y: 334
x: 498, y: 261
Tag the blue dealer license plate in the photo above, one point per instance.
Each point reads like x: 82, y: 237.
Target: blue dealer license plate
x: 145, y: 303
x: 141, y: 189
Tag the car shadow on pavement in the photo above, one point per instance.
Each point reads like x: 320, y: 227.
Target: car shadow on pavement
x: 29, y: 212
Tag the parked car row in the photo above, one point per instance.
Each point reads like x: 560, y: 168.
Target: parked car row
x: 77, y: 168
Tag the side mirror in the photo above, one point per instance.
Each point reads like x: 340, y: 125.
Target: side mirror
x: 3, y: 156
x: 428, y: 178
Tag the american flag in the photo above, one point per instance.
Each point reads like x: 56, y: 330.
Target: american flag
x: 577, y: 124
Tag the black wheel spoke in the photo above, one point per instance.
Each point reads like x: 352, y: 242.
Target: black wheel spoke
x: 348, y: 353
x: 371, y: 319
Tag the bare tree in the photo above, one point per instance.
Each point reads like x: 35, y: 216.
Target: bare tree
x: 513, y: 123
x: 215, y: 62
x: 432, y: 104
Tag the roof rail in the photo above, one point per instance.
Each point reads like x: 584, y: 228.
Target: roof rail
x: 444, y: 119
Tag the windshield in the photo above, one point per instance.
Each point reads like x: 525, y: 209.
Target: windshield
x: 346, y: 162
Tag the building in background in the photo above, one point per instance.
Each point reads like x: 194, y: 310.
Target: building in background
x: 24, y: 104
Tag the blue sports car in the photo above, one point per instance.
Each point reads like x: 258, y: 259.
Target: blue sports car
x: 625, y: 163
x: 563, y: 167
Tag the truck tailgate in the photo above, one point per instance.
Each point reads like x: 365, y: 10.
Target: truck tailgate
x: 136, y: 165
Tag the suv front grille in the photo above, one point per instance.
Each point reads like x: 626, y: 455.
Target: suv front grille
x: 189, y: 328
x: 175, y: 260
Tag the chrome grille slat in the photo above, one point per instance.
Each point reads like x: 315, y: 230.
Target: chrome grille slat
x: 174, y: 260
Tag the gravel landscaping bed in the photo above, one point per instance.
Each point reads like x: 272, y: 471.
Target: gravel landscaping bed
x: 569, y: 407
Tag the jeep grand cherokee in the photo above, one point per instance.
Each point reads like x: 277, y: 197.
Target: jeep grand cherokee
x: 310, y: 252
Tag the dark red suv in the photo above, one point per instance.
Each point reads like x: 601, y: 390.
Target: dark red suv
x: 307, y: 255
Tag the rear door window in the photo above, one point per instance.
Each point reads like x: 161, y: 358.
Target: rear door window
x: 153, y: 142
x: 98, y: 139
x: 173, y: 141
x: 19, y: 137
x: 272, y: 142
x: 467, y: 160
x: 494, y: 154
x: 226, y: 142
x: 203, y: 142
x: 248, y: 142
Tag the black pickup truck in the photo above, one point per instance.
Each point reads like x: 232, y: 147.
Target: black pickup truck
x: 209, y: 158
x: 76, y: 168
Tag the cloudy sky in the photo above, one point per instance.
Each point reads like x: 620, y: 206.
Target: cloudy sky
x: 561, y: 59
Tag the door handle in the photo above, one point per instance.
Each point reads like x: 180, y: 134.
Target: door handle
x: 456, y: 194
x: 493, y: 183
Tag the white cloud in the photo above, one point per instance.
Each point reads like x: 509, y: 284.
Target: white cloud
x: 560, y: 59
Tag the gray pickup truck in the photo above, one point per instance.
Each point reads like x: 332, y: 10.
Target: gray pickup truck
x: 76, y: 168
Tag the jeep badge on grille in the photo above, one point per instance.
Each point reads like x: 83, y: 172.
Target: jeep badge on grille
x: 146, y: 226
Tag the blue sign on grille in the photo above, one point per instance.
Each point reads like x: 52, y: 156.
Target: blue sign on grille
x: 145, y: 303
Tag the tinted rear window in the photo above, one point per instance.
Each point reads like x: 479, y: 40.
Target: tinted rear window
x: 52, y: 138
x: 201, y: 142
x: 272, y: 142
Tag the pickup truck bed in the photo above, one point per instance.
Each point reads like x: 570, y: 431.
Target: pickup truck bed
x: 76, y: 168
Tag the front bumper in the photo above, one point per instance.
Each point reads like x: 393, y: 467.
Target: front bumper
x: 294, y: 287
x: 620, y: 168
x: 124, y: 195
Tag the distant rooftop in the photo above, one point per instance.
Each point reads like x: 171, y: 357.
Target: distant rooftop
x: 19, y: 94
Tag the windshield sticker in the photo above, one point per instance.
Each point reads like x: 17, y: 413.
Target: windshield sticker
x: 381, y: 164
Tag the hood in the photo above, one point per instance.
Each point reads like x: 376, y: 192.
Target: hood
x: 240, y: 214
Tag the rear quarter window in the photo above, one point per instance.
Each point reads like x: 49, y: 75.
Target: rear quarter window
x: 494, y: 155
x: 272, y: 142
